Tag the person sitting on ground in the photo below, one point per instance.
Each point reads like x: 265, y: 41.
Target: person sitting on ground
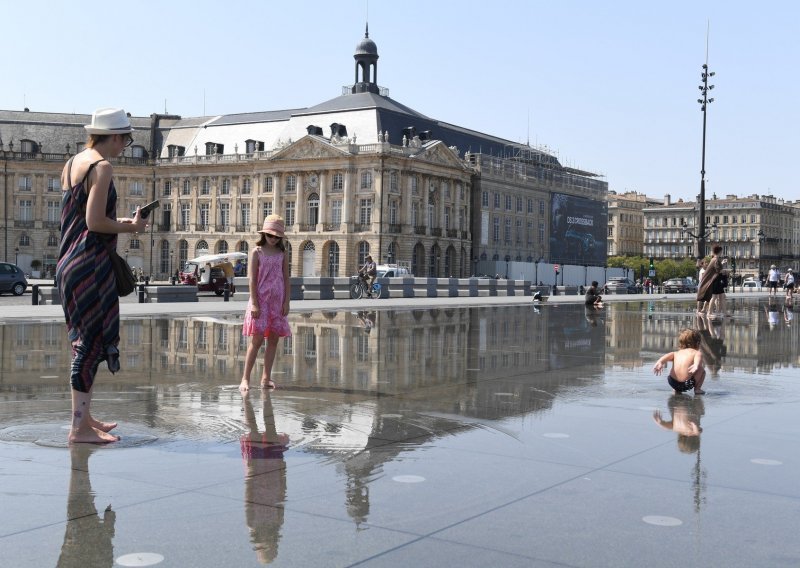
x: 369, y: 270
x: 687, y: 364
x: 592, y: 298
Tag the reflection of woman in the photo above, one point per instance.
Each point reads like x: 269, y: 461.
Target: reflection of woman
x: 265, y: 479
x: 686, y: 412
x: 87, y: 538
x: 712, y: 343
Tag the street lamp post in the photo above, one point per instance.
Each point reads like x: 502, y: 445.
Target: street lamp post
x: 171, y: 257
x: 704, y: 88
x: 126, y: 256
x: 16, y: 255
x: 761, y: 238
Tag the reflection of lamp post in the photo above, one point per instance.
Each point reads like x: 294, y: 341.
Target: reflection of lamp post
x: 475, y: 266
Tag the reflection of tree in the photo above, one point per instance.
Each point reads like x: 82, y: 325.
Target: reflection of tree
x: 265, y: 479
x: 87, y: 538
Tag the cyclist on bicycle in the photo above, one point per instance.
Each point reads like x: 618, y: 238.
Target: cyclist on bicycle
x: 369, y: 270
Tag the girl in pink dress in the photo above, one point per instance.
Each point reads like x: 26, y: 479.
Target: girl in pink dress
x: 269, y: 300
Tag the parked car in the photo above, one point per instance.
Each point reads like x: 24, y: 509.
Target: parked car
x: 679, y: 285
x: 751, y: 286
x: 12, y: 279
x: 392, y: 271
x: 619, y: 285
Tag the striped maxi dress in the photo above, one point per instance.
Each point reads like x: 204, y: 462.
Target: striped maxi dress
x: 86, y: 283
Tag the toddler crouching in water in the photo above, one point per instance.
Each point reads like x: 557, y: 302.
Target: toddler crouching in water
x: 687, y: 364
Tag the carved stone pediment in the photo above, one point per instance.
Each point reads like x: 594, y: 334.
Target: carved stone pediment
x: 438, y: 153
x: 309, y: 147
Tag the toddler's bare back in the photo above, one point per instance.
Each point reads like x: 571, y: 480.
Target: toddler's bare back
x: 682, y: 360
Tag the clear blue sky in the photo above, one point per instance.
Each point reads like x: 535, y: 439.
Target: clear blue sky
x: 608, y: 86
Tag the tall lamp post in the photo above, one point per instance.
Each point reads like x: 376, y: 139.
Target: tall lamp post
x: 16, y: 255
x: 704, y: 88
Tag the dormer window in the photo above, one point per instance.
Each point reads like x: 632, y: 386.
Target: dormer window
x: 214, y: 148
x: 28, y: 147
x: 253, y: 146
x: 174, y: 151
x: 138, y: 152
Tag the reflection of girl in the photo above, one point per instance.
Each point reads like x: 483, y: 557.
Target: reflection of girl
x: 265, y: 479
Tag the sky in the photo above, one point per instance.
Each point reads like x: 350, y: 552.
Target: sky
x: 609, y: 87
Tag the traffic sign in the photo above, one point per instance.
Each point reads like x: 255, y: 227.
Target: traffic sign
x: 556, y: 267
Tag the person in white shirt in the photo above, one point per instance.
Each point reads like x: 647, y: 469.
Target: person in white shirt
x: 788, y: 283
x: 772, y: 280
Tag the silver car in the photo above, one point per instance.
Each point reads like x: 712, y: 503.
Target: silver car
x: 620, y: 285
x: 12, y: 279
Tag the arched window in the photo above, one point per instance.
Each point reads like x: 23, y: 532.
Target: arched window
x: 449, y: 262
x: 313, y: 210
x: 418, y: 259
x: 222, y: 247
x: 183, y: 252
x: 164, y: 263
x: 333, y: 259
x: 201, y: 248
x: 363, y: 251
x: 243, y: 246
x: 433, y: 263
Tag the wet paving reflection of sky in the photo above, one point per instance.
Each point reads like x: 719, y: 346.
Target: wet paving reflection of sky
x: 478, y: 436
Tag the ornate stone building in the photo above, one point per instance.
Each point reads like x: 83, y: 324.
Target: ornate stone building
x: 626, y: 222
x: 355, y: 175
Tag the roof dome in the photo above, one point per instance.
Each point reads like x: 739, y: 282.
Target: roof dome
x: 366, y: 46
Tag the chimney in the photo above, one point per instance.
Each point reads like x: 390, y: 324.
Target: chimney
x: 668, y: 199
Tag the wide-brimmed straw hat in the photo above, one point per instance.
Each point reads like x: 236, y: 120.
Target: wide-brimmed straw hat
x: 109, y: 121
x: 273, y: 225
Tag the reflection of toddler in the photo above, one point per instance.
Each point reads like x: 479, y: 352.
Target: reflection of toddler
x: 686, y: 413
x: 687, y: 364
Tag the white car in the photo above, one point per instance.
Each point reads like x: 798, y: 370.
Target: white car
x: 392, y: 271
x: 751, y: 286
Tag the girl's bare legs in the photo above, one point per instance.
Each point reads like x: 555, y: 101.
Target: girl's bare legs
x: 269, y: 358
x: 250, y: 360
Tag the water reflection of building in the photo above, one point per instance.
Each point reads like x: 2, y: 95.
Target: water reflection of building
x: 623, y: 335
x: 747, y: 341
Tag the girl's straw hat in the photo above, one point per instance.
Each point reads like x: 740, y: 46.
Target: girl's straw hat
x: 273, y: 225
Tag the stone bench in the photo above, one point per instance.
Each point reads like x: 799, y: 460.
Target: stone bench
x: 49, y: 295
x: 170, y: 294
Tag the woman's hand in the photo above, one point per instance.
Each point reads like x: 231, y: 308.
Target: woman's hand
x: 285, y: 309
x: 139, y: 222
x: 255, y: 311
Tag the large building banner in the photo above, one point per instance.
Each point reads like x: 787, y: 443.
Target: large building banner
x: 578, y: 228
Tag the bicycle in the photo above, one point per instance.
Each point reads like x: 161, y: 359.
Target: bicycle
x: 358, y: 288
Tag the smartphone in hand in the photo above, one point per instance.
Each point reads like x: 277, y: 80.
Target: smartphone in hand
x: 145, y: 211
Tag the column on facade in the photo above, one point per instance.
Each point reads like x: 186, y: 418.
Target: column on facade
x: 300, y: 203
x: 277, y: 201
x: 405, y: 214
x: 322, y: 211
x: 377, y: 207
x: 347, y: 201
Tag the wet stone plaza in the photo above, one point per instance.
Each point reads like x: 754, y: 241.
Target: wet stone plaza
x: 514, y: 435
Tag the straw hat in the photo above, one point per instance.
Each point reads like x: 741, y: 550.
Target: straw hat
x: 109, y: 121
x: 273, y: 225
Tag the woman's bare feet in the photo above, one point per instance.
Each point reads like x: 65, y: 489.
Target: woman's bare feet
x: 102, y: 426
x: 244, y: 386
x: 699, y: 391
x: 267, y: 384
x: 91, y: 436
